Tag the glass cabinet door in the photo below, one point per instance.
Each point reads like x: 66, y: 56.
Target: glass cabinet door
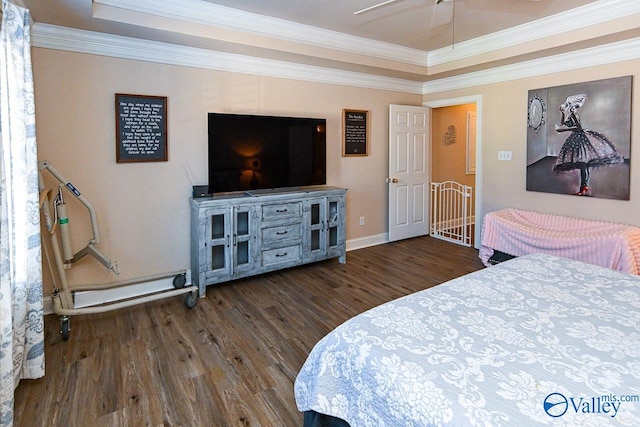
x: 242, y: 246
x: 316, y: 224
x: 332, y: 223
x: 315, y: 228
x: 218, y: 242
x: 335, y: 223
x: 229, y: 240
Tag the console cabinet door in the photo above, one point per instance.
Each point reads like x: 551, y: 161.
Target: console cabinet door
x: 230, y: 248
x: 242, y: 249
x: 324, y: 228
x: 218, y: 232
x: 335, y: 225
x: 315, y: 241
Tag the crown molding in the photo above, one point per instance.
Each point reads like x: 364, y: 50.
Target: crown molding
x: 214, y: 15
x: 210, y: 14
x: 581, y: 17
x: 82, y: 41
x: 601, y: 55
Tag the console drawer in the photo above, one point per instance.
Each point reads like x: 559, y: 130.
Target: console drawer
x: 283, y: 232
x: 281, y: 255
x: 281, y: 210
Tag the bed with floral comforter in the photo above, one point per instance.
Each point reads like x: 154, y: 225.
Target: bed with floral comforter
x: 537, y: 340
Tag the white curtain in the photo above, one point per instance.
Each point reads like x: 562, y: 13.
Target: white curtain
x: 21, y: 315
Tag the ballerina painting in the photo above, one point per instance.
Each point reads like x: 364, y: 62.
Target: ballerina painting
x: 581, y: 145
x: 584, y: 149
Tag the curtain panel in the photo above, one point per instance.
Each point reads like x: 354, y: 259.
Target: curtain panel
x: 21, y: 310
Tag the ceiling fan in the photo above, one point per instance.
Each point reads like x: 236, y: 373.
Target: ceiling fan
x: 437, y: 14
x: 386, y: 2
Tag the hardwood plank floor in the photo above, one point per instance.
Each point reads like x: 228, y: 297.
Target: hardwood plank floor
x: 233, y: 358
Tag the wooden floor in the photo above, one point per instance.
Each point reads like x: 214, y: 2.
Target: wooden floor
x: 233, y: 358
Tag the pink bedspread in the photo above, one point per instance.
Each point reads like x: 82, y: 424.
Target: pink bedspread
x: 519, y: 232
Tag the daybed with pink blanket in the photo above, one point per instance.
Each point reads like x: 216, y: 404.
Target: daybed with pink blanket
x: 518, y: 232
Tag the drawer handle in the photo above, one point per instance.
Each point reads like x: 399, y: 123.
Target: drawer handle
x: 281, y: 255
x: 280, y: 233
x: 281, y: 210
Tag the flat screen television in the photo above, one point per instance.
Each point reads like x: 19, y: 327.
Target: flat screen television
x: 251, y: 152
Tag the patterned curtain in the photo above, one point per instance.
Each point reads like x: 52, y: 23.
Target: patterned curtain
x: 21, y: 314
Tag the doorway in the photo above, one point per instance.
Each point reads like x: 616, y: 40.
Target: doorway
x: 456, y: 149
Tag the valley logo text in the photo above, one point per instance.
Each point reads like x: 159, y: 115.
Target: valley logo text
x: 557, y: 404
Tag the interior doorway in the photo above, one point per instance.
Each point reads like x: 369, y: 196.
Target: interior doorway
x: 453, y: 172
x: 456, y: 148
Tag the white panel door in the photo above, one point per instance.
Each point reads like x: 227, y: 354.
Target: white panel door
x: 409, y: 173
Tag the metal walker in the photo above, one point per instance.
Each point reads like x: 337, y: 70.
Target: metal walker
x: 63, y: 257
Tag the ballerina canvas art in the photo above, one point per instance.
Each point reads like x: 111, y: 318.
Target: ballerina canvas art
x: 583, y: 149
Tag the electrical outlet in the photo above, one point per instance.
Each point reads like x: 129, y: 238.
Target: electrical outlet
x: 361, y: 220
x: 504, y: 155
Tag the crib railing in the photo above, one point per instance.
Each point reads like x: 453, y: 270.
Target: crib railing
x: 452, y: 212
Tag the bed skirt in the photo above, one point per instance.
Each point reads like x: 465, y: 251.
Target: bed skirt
x: 314, y: 419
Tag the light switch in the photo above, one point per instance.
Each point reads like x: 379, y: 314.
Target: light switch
x: 504, y: 155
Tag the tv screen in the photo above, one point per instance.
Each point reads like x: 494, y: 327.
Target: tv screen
x: 248, y: 152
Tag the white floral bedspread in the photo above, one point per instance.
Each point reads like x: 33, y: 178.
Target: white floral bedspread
x: 538, y: 340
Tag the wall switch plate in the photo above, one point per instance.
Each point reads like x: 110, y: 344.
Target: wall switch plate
x: 504, y: 155
x: 361, y: 220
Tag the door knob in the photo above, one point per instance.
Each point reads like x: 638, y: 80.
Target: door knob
x: 392, y: 180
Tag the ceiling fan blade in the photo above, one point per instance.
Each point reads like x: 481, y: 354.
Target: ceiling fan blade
x: 375, y: 6
x: 440, y: 16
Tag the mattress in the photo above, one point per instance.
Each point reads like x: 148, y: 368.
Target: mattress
x: 537, y: 340
x: 518, y: 232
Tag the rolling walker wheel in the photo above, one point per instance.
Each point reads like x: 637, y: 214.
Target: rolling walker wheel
x: 65, y: 327
x: 179, y: 281
x: 191, y: 299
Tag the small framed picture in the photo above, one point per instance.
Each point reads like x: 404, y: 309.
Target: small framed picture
x: 355, y: 132
x: 141, y: 128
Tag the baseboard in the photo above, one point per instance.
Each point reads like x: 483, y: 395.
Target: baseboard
x: 365, y: 242
x: 92, y: 298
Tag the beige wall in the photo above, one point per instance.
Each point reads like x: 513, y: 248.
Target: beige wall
x: 143, y: 208
x: 449, y: 161
x: 504, y: 118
